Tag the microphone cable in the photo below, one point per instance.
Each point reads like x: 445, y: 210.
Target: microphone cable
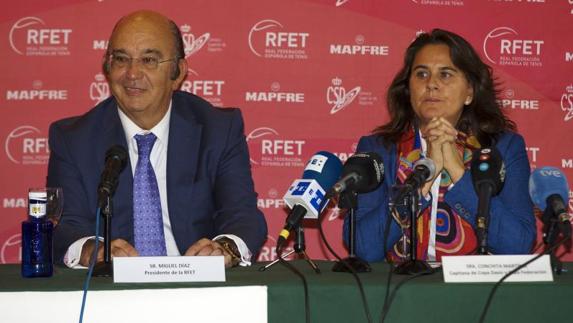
x: 304, y: 282
x: 513, y: 271
x: 390, y: 267
x: 352, y: 271
x: 386, y: 309
x: 91, y: 266
x: 388, y: 299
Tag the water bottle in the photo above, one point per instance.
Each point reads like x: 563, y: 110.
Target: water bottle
x: 37, y: 237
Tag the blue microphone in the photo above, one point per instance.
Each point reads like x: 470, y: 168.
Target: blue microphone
x: 307, y: 196
x: 549, y: 191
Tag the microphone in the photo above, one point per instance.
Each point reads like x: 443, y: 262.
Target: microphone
x: 549, y: 191
x: 362, y: 173
x: 424, y: 170
x: 488, y: 176
x: 115, y: 161
x: 307, y: 196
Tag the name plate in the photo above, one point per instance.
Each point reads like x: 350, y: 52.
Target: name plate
x: 168, y: 269
x: 490, y: 268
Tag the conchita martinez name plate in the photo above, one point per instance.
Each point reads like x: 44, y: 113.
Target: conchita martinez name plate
x: 168, y: 269
x: 491, y: 268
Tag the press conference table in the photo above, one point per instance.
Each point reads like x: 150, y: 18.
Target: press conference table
x: 334, y: 297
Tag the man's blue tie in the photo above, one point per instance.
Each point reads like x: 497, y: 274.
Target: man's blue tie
x: 147, y: 218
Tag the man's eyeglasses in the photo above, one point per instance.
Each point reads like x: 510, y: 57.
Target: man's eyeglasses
x: 119, y: 61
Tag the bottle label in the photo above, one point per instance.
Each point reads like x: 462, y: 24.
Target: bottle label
x: 37, y: 208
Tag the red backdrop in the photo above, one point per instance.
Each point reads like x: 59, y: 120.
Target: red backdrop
x: 309, y: 75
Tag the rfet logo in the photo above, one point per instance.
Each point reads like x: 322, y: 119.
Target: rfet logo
x: 192, y: 44
x: 504, y: 46
x: 268, y: 149
x: 99, y: 89
x: 338, y: 97
x: 267, y: 39
x: 532, y: 152
x: 210, y: 90
x: 27, y: 146
x: 269, y: 251
x: 30, y: 36
x: 11, y: 251
x: 567, y: 103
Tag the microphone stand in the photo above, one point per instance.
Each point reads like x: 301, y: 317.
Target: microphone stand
x: 105, y: 268
x: 413, y: 265
x: 482, y: 224
x: 551, y: 230
x: 299, y: 248
x: 349, y: 200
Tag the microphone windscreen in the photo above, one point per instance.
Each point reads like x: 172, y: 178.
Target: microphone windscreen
x: 369, y: 166
x: 547, y: 181
x: 487, y: 168
x: 429, y: 164
x: 118, y: 152
x: 323, y: 167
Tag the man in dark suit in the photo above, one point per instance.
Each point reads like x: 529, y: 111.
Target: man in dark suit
x: 199, y: 161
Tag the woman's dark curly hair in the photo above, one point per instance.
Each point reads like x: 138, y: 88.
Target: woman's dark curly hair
x: 482, y: 117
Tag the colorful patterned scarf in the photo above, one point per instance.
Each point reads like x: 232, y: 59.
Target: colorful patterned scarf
x: 454, y: 236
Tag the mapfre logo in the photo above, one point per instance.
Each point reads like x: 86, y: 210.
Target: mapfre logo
x: 271, y: 200
x: 569, y: 56
x: 99, y: 89
x: 509, y: 100
x: 267, y: 39
x: 30, y: 36
x: 450, y: 3
x: 27, y: 146
x: 567, y: 103
x: 359, y: 48
x: 11, y: 251
x: 100, y: 44
x: 502, y: 46
x: 267, y: 148
x: 274, y: 95
x: 210, y: 90
x: 341, y: 2
x: 36, y: 93
x: 338, y: 97
x: 14, y: 202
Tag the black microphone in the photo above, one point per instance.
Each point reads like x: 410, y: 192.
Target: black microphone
x: 362, y: 173
x: 424, y: 170
x: 115, y: 161
x: 488, y: 175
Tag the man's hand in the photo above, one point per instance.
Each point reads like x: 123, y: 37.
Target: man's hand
x: 119, y: 248
x: 206, y: 247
